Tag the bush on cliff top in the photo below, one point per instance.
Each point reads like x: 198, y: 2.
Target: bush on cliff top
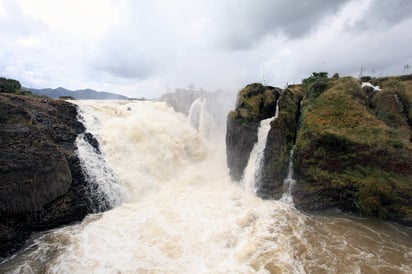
x: 12, y: 86
x: 254, y: 103
x: 9, y: 85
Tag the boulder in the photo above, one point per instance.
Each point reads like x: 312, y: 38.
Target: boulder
x: 41, y: 181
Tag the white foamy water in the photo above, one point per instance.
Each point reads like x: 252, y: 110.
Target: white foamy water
x: 102, y: 180
x: 251, y: 174
x: 288, y: 182
x: 182, y: 213
x: 200, y: 118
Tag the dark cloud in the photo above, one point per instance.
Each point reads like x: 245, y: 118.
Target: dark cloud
x: 384, y: 13
x: 127, y: 68
x: 244, y: 23
x: 145, y: 46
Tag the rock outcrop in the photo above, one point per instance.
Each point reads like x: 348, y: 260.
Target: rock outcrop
x: 353, y: 150
x: 280, y: 141
x: 254, y: 103
x: 41, y: 181
x: 353, y: 146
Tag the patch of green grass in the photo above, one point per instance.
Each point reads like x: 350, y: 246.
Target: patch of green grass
x: 346, y: 152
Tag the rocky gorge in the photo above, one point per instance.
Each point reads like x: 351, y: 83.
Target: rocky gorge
x: 352, y: 143
x: 352, y: 150
x: 42, y: 184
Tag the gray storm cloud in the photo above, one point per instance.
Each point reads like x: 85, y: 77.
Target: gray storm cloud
x: 145, y: 48
x: 244, y: 23
x: 384, y: 14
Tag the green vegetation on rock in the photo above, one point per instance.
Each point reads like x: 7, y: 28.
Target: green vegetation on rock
x: 353, y: 144
x: 254, y: 103
x: 353, y: 150
x: 281, y: 139
x: 9, y: 85
x: 12, y: 86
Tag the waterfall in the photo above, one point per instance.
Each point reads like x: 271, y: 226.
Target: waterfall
x: 103, y: 186
x: 252, y: 173
x: 183, y: 213
x: 288, y: 182
x: 199, y: 117
x: 144, y: 143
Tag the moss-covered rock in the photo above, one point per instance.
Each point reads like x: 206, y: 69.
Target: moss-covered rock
x: 353, y: 145
x: 393, y: 104
x: 280, y: 141
x: 254, y: 103
x: 354, y: 154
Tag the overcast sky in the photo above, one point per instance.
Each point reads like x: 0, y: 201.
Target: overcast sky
x: 145, y: 48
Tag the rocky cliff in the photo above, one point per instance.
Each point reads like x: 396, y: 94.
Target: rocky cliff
x: 254, y: 103
x: 280, y: 141
x: 353, y: 145
x: 41, y: 181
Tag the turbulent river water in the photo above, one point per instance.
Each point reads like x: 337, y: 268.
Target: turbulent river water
x: 177, y: 211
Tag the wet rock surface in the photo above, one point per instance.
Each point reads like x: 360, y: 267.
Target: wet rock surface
x: 280, y: 141
x: 254, y: 103
x: 41, y: 181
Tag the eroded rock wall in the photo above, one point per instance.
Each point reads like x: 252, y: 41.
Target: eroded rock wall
x: 280, y: 141
x: 254, y: 103
x: 41, y: 180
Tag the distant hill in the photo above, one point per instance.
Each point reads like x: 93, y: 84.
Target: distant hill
x: 77, y: 94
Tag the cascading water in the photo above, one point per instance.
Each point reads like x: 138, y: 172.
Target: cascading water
x: 288, y: 182
x: 251, y: 174
x: 103, y: 186
x: 183, y: 214
x: 200, y: 118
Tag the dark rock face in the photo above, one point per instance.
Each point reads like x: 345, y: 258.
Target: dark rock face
x: 255, y: 102
x: 280, y: 141
x: 239, y: 144
x: 41, y: 180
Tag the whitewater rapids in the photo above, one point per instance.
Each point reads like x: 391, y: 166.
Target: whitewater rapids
x: 177, y: 211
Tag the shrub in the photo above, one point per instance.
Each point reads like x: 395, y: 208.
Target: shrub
x: 9, y: 85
